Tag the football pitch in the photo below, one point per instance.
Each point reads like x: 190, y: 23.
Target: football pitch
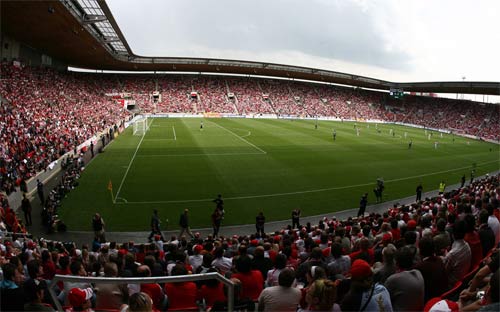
x: 265, y: 165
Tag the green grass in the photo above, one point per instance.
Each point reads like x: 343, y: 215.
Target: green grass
x: 269, y: 165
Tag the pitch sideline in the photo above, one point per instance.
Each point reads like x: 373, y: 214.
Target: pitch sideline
x: 300, y: 192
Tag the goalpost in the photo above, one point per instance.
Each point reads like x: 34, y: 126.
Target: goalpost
x: 141, y: 126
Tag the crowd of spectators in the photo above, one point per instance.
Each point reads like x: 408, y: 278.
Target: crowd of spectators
x: 436, y: 251
x: 46, y: 113
x: 248, y: 97
x: 175, y: 95
x: 212, y: 95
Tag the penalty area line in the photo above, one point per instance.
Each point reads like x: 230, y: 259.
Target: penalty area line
x: 241, y: 138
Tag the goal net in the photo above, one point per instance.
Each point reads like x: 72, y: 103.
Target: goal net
x: 141, y: 126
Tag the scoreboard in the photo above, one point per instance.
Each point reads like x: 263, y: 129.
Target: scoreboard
x: 396, y: 93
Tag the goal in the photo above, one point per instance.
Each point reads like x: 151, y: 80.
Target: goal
x: 141, y: 126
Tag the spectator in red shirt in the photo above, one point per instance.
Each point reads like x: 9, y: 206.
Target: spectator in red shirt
x: 365, y: 252
x: 152, y: 289
x: 211, y: 291
x: 472, y: 238
x: 63, y: 270
x: 181, y: 295
x: 252, y: 282
x: 396, y: 232
x: 49, y: 268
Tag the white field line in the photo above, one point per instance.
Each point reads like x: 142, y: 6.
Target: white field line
x: 201, y: 154
x: 175, y: 136
x: 249, y: 143
x: 130, y: 164
x: 163, y: 139
x: 304, y: 192
x: 247, y: 135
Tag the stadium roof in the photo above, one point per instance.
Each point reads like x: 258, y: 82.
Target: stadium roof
x: 83, y: 33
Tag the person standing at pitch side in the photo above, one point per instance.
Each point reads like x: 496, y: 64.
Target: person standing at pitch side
x: 419, y: 192
x: 216, y: 222
x: 184, y: 224
x: 155, y: 226
x: 39, y: 189
x: 362, y: 205
x: 98, y: 227
x: 295, y: 218
x: 219, y: 204
x: 260, y: 221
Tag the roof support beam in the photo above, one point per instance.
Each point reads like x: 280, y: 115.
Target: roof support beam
x: 110, y: 39
x: 91, y: 19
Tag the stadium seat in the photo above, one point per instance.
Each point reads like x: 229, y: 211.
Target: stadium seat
x: 453, y: 293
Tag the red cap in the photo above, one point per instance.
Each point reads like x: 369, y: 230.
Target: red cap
x: 254, y: 242
x: 78, y: 296
x: 412, y: 224
x: 157, y: 237
x: 277, y: 238
x: 360, y: 269
x: 198, y: 248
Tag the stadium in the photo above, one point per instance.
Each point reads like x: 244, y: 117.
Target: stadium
x: 193, y: 176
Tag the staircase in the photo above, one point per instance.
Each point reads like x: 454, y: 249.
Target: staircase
x: 120, y: 84
x: 269, y: 99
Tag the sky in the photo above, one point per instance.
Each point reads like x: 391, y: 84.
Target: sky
x: 395, y: 40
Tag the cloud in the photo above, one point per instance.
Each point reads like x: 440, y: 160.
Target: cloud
x: 341, y: 30
x: 398, y: 40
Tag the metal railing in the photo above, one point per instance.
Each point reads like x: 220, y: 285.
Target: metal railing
x: 142, y: 280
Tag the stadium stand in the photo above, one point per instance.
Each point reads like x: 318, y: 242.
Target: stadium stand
x: 47, y: 113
